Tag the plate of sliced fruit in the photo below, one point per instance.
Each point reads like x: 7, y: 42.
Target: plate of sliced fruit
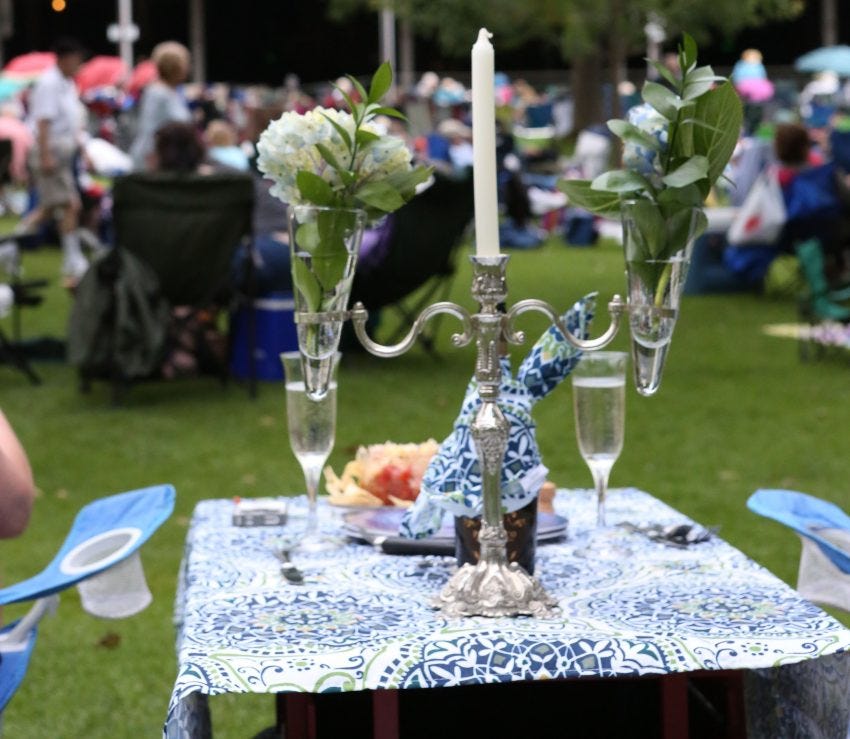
x: 388, y: 474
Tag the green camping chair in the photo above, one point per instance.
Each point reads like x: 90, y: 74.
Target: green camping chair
x: 819, y: 302
x: 176, y: 238
x: 420, y: 256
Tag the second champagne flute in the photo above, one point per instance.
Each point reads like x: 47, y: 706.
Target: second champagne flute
x: 312, y: 428
x: 599, y: 402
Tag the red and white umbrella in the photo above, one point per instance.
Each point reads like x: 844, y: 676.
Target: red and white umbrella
x: 101, y: 71
x: 30, y: 65
x: 143, y: 74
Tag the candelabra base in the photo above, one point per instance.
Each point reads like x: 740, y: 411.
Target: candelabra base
x: 495, y: 589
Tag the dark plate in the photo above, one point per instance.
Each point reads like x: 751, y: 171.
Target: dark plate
x: 385, y: 522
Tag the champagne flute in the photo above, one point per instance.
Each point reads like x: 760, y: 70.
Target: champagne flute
x: 599, y: 402
x: 312, y: 426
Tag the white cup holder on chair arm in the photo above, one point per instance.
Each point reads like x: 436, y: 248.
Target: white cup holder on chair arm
x: 17, y: 638
x: 118, y: 591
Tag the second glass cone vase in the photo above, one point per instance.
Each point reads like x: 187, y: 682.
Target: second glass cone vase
x: 323, y: 243
x: 655, y: 289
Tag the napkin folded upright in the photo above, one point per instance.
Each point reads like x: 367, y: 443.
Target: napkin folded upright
x: 452, y: 481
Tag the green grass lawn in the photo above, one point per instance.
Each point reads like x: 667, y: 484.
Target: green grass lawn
x: 737, y: 410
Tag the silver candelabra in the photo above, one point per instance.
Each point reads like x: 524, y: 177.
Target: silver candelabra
x: 492, y: 586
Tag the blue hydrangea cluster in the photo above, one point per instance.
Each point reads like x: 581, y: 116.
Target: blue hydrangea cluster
x: 639, y: 158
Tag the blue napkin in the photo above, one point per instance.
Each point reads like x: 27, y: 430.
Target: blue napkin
x: 452, y: 481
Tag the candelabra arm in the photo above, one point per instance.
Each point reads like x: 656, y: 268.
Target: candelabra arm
x: 359, y: 316
x: 616, y: 308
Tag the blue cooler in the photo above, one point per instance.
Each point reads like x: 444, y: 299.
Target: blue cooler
x: 275, y: 317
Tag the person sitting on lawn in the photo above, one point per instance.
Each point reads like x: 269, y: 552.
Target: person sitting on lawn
x: 816, y: 196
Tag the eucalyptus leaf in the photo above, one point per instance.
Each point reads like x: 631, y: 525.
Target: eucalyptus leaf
x: 699, y: 81
x: 314, y: 189
x: 663, y: 71
x: 581, y: 195
x: 380, y: 195
x: 348, y: 178
x: 692, y: 170
x: 365, y: 138
x: 382, y: 80
x: 341, y: 130
x: 361, y: 91
x: 349, y: 101
x: 663, y: 99
x: 406, y: 182
x: 631, y: 133
x: 328, y: 155
x: 689, y: 52
x: 387, y: 111
x: 650, y: 232
x: 305, y: 281
x: 721, y: 110
x: 672, y: 199
x: 681, y: 228
x: 307, y: 237
x: 620, y: 180
x: 682, y: 134
x: 330, y: 255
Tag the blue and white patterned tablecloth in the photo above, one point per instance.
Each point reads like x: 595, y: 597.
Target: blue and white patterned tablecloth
x: 362, y: 620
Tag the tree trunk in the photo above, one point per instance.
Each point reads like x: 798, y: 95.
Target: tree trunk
x: 829, y: 22
x: 616, y: 55
x: 586, y: 82
x: 407, y: 64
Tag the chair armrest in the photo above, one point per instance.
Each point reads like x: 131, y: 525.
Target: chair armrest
x: 840, y: 295
x: 18, y: 636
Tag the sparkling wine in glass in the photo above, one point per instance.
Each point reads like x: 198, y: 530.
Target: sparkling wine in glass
x: 312, y: 427
x: 599, y: 402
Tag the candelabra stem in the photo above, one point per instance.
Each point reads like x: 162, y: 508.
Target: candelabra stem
x: 492, y: 586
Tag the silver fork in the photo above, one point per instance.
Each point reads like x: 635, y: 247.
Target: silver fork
x: 290, y: 572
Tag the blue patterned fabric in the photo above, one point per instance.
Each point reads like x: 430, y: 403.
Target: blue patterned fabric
x: 362, y: 620
x: 452, y: 481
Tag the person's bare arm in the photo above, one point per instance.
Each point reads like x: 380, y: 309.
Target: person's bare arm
x: 17, y: 489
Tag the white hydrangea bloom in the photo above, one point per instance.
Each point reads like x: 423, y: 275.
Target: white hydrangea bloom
x: 388, y: 155
x: 288, y: 146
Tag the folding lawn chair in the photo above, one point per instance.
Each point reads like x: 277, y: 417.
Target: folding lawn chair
x: 25, y: 294
x: 181, y: 232
x: 100, y: 556
x: 824, y: 530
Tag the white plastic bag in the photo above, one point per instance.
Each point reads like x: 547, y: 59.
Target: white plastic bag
x: 761, y: 216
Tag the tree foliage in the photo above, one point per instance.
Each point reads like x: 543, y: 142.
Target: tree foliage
x: 577, y: 27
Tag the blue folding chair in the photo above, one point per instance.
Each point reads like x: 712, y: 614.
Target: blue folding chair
x: 100, y: 556
x: 824, y: 530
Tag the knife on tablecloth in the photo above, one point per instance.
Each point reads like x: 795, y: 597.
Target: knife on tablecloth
x: 401, y: 544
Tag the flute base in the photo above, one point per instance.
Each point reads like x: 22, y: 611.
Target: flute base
x: 495, y: 589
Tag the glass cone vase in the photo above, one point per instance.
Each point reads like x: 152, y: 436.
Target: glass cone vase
x: 655, y: 288
x: 323, y: 243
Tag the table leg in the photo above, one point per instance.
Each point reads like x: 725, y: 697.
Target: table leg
x: 296, y: 715
x: 674, y: 706
x: 385, y: 714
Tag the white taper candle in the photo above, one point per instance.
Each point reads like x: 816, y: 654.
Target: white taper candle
x: 484, y: 147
